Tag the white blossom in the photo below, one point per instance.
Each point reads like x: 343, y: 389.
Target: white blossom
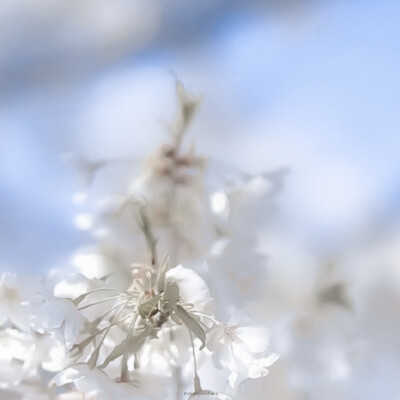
x: 127, y: 319
x: 96, y: 384
x: 241, y: 350
x: 59, y: 315
x: 18, y: 298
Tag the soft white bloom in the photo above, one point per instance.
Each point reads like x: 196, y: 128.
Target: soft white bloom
x: 35, y: 389
x: 18, y: 298
x: 171, y: 349
x: 17, y: 351
x: 108, y: 259
x: 97, y: 384
x: 241, y: 350
x: 61, y: 316
x: 129, y: 326
x: 193, y: 288
x: 236, y: 266
x: 22, y: 354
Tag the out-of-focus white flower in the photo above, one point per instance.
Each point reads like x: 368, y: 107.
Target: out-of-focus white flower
x: 83, y: 222
x: 23, y: 355
x: 307, y: 302
x: 241, y: 350
x: 16, y: 356
x: 17, y: 300
x: 192, y: 287
x: 59, y: 315
x: 108, y: 260
x: 36, y: 389
x: 95, y: 383
x: 236, y: 266
x: 176, y: 198
x: 171, y: 349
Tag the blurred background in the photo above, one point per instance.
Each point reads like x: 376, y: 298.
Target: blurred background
x: 311, y: 86
x: 308, y: 85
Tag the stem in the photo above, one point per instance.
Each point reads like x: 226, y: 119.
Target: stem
x: 177, y: 371
x: 148, y: 234
x: 112, y: 309
x: 98, y: 302
x: 197, y: 385
x: 124, y: 377
x: 95, y: 355
x: 213, y: 320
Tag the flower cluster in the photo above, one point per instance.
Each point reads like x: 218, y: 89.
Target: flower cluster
x: 128, y: 320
